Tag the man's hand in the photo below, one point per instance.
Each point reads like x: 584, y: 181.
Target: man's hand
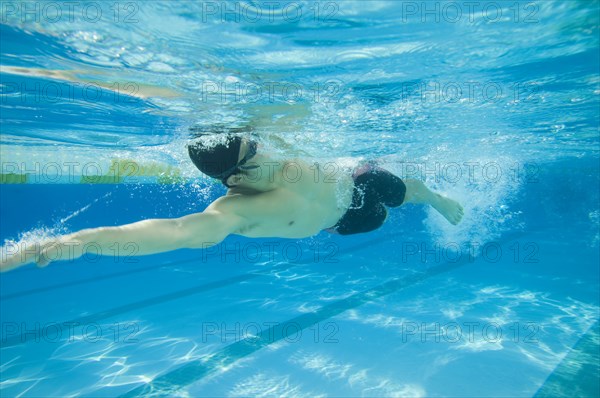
x: 14, y: 255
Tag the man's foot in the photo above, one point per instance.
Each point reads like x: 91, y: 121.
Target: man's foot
x: 450, y: 209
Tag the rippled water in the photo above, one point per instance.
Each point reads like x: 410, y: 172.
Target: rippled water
x: 376, y: 77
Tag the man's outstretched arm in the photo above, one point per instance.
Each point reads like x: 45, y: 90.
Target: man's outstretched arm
x: 200, y: 230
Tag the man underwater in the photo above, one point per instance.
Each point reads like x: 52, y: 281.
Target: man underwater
x: 265, y: 198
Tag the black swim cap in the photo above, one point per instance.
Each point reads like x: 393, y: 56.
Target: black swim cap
x: 216, y: 160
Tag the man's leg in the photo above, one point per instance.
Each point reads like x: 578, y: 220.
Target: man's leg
x: 418, y: 193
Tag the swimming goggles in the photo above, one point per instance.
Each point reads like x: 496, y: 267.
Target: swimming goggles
x: 250, y: 152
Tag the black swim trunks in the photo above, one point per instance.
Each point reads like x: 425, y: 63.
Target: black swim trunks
x: 374, y: 188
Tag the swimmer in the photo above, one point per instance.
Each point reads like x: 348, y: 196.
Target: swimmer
x: 261, y: 202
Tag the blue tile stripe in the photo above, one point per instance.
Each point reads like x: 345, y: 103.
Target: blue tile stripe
x: 578, y: 374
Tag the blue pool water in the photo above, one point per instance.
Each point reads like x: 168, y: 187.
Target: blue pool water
x: 492, y: 103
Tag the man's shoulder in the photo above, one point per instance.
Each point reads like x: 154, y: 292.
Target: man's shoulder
x: 239, y: 202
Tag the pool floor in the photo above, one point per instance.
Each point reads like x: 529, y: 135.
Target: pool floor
x: 197, y: 325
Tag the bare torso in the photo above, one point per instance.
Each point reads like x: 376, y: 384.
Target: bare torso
x: 305, y: 199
